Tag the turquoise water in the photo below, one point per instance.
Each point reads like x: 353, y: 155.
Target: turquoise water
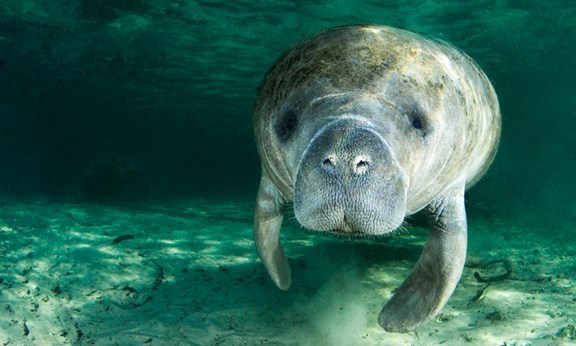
x: 117, y: 109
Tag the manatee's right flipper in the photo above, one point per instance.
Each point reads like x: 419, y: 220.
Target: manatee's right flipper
x: 437, y: 271
x: 270, y: 207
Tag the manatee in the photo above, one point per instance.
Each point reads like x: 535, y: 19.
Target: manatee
x: 361, y: 126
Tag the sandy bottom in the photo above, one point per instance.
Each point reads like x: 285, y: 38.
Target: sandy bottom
x: 187, y: 274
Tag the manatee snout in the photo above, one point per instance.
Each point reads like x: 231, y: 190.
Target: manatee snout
x: 349, y: 182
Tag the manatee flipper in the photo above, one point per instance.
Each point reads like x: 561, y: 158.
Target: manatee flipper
x: 270, y: 207
x: 436, y: 274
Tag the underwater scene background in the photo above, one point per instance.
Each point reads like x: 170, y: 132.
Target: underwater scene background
x: 128, y: 174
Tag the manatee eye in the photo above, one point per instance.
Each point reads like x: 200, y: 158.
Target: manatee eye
x: 419, y: 122
x: 286, y: 125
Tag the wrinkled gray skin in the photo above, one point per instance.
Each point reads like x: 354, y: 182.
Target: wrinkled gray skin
x: 361, y: 126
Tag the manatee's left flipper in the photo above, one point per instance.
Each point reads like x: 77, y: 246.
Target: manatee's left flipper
x: 270, y: 207
x: 437, y: 271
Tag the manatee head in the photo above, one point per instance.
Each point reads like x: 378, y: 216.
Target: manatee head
x: 347, y: 157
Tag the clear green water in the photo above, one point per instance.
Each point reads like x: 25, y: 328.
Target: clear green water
x: 149, y: 101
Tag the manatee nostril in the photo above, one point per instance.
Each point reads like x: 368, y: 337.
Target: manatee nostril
x: 361, y: 165
x: 329, y: 161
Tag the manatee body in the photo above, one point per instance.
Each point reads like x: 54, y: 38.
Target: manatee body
x: 360, y: 126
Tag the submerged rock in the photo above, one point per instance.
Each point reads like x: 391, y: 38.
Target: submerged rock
x: 568, y: 332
